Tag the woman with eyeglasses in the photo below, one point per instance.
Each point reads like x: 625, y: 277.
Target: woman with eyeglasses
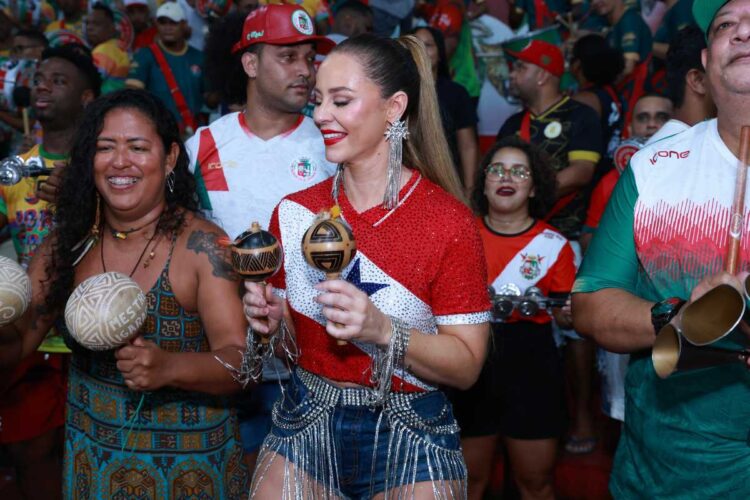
x: 519, y: 394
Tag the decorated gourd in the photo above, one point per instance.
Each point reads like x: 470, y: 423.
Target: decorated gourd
x: 256, y: 254
x: 328, y: 244
x: 105, y: 311
x: 15, y: 291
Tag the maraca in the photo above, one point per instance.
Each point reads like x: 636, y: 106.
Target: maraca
x: 256, y: 256
x: 15, y: 291
x: 328, y: 245
x: 105, y: 311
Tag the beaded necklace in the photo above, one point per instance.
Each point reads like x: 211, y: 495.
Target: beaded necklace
x: 148, y: 260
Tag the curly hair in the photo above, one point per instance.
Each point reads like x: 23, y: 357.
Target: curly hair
x: 77, y: 197
x: 542, y: 175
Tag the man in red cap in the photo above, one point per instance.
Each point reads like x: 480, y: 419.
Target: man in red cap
x: 566, y: 129
x: 569, y: 132
x: 245, y: 162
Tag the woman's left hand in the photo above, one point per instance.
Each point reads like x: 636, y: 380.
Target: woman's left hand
x: 143, y: 364
x: 350, y: 313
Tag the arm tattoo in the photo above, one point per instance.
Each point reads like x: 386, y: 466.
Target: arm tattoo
x: 202, y: 242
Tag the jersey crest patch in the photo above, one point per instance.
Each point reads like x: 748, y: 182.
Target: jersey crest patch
x: 531, y: 266
x: 303, y: 168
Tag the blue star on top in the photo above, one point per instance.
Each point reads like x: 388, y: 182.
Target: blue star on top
x: 354, y: 277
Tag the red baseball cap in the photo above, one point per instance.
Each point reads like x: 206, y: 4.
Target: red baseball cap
x: 281, y: 25
x: 448, y: 17
x: 544, y: 54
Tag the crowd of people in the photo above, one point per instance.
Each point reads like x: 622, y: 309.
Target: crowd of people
x: 536, y: 189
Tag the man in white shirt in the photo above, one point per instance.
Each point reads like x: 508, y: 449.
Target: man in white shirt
x: 245, y: 162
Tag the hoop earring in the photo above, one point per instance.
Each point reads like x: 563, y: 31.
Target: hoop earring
x: 170, y: 181
x: 396, y: 133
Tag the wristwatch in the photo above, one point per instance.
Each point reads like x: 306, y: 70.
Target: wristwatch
x: 662, y: 312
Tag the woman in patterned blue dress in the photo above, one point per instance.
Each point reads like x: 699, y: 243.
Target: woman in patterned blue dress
x: 150, y: 419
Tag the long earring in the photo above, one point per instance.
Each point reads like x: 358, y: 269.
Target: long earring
x: 90, y: 240
x: 338, y: 177
x: 170, y: 181
x: 98, y: 216
x: 396, y: 133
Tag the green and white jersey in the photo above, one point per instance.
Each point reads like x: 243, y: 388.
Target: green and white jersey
x: 664, y: 229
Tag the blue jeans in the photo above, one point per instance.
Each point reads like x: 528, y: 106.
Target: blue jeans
x: 418, y: 429
x: 255, y: 416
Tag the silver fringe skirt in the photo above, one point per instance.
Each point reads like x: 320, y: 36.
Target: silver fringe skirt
x: 329, y: 442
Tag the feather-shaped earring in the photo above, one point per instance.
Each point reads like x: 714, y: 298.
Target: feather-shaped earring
x: 90, y: 240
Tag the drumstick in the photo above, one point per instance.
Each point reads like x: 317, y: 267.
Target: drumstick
x: 736, y: 222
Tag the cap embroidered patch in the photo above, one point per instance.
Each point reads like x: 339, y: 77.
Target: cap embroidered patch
x: 302, y: 22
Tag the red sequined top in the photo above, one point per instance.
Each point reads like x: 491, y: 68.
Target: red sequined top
x: 422, y: 263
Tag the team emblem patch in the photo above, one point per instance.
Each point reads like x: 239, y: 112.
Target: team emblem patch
x: 531, y: 266
x: 302, y: 22
x: 552, y: 130
x: 303, y: 168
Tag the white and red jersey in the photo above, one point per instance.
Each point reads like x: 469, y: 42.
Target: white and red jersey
x: 242, y: 177
x: 538, y: 256
x: 423, y: 264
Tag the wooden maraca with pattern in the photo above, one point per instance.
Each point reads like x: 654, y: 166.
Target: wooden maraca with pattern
x: 329, y: 245
x: 256, y: 256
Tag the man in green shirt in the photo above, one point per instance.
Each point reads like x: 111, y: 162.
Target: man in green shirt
x: 629, y: 33
x: 171, y: 69
x: 663, y: 240
x: 677, y: 17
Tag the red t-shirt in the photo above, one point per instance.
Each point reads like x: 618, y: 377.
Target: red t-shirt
x: 538, y: 256
x: 422, y: 263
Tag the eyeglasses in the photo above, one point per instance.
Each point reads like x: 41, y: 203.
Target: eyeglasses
x: 496, y: 172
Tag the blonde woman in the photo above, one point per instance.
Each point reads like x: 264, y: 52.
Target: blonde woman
x: 414, y: 298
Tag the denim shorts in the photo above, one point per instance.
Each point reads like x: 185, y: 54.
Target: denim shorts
x: 406, y: 419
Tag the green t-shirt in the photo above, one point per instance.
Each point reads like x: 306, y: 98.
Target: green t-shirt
x: 187, y: 69
x: 664, y: 229
x: 528, y: 7
x: 631, y: 34
x: 676, y: 18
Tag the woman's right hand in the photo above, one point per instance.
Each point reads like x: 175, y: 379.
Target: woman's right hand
x: 263, y: 308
